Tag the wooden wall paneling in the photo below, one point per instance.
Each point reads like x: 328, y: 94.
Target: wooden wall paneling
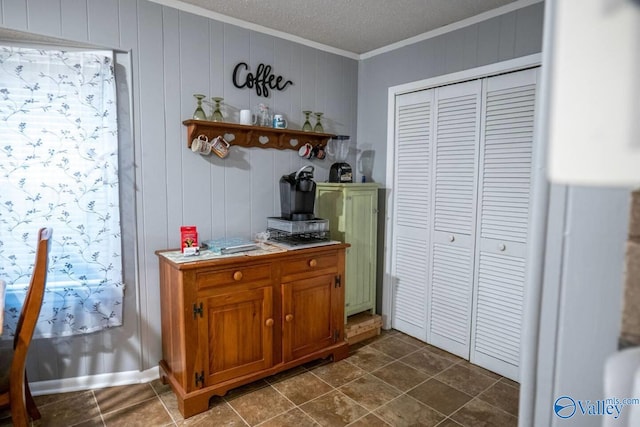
x: 128, y: 339
x: 128, y: 21
x: 195, y: 181
x: 283, y: 101
x: 263, y: 182
x: 291, y: 158
x: 351, y: 92
x: 153, y: 185
x: 237, y: 47
x: 422, y: 62
x: 217, y: 76
x: 217, y: 80
x: 331, y: 77
x: 469, y: 51
x: 237, y: 165
x: 73, y: 17
x: 454, y: 60
x: 43, y: 17
x: 15, y: 14
x: 528, y: 31
x: 103, y: 22
x: 261, y: 50
x: 338, y: 99
x: 289, y: 99
x: 308, y: 81
x: 439, y: 54
x: 174, y: 136
x: 321, y: 88
x: 488, y: 41
x: 506, y: 45
x: 350, y: 70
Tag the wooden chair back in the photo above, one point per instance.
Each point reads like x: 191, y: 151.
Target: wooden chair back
x: 18, y: 397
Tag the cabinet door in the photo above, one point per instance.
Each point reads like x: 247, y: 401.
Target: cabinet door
x: 311, y: 313
x: 411, y: 211
x: 362, y: 224
x: 455, y: 167
x: 504, y: 198
x: 236, y: 333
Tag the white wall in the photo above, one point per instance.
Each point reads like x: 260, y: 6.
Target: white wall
x: 176, y: 54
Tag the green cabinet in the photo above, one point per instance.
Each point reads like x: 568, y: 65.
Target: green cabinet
x: 352, y: 211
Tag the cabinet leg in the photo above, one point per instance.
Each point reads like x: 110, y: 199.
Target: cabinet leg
x: 193, y: 405
x: 341, y: 352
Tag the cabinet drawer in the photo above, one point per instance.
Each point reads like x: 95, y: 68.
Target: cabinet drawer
x: 321, y: 263
x: 239, y: 275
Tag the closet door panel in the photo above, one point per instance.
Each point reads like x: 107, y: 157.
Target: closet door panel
x: 503, y: 218
x: 412, y: 211
x: 455, y: 160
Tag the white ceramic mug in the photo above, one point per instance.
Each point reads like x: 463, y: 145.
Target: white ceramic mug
x: 247, y: 117
x: 279, y: 122
x: 201, y: 145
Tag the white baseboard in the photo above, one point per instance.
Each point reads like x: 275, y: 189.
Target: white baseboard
x: 88, y: 382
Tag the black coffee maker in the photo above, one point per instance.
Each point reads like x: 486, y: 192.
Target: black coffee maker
x: 338, y: 148
x: 298, y: 194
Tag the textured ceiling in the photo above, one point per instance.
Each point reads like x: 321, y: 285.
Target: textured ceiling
x: 356, y: 26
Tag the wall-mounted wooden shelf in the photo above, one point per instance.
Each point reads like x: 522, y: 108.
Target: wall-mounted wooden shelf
x: 254, y: 136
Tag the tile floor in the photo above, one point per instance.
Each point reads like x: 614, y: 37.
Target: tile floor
x: 391, y: 379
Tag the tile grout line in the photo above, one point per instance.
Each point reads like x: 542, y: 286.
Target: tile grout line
x: 163, y: 404
x: 226, y: 402
x: 95, y: 399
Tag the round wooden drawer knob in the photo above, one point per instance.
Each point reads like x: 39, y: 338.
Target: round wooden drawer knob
x: 237, y: 275
x: 269, y: 322
x: 288, y: 317
x: 313, y: 263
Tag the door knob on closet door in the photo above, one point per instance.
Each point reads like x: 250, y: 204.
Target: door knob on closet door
x: 288, y: 317
x: 502, y: 247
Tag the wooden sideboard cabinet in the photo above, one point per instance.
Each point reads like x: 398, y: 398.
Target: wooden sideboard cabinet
x: 230, y: 321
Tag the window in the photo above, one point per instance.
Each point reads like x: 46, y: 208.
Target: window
x: 59, y: 168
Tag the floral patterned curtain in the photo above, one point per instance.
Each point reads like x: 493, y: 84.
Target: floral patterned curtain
x: 59, y: 168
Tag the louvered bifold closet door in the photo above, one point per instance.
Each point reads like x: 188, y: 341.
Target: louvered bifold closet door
x: 455, y: 160
x: 503, y: 218
x: 411, y: 211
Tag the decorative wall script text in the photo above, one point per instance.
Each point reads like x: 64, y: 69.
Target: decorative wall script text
x: 263, y: 80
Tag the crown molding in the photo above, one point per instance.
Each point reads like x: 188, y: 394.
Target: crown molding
x: 519, y: 4
x: 197, y: 10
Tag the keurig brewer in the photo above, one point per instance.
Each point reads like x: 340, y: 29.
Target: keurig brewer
x: 298, y: 194
x: 297, y: 226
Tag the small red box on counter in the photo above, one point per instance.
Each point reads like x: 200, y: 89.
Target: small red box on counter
x: 189, y: 239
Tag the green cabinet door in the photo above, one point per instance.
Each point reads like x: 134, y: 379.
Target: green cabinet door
x: 352, y: 211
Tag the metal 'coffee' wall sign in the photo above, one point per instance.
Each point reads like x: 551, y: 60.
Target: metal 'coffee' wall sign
x: 262, y: 80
